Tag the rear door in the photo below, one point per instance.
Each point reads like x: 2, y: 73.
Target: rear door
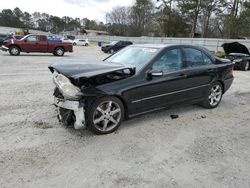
x: 200, y: 72
x: 42, y: 44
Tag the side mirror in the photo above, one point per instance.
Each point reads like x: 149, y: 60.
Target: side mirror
x: 25, y: 40
x: 154, y: 73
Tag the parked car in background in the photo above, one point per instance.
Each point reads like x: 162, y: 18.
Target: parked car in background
x: 81, y: 42
x: 19, y: 37
x: 115, y: 46
x: 36, y: 43
x: 67, y: 40
x: 238, y: 54
x: 136, y: 80
x: 3, y: 38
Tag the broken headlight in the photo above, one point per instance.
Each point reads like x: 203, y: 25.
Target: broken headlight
x: 65, y: 86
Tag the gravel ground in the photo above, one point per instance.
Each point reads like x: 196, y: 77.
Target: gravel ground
x: 202, y: 148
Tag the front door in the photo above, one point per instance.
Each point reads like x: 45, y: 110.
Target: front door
x: 161, y: 91
x: 31, y: 44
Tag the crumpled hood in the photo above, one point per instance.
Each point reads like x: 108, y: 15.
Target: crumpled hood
x: 235, y: 47
x: 79, y: 68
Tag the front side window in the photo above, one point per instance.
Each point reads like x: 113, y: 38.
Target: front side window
x: 169, y: 62
x: 194, y: 57
x: 32, y: 38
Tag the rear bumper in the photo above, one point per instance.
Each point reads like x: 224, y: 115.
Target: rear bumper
x: 227, y: 83
x: 76, y: 107
x: 4, y: 48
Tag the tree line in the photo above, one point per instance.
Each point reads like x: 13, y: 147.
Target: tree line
x: 45, y: 22
x: 159, y: 18
x: 182, y: 18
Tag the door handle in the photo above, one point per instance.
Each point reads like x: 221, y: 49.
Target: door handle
x: 210, y: 70
x: 183, y: 75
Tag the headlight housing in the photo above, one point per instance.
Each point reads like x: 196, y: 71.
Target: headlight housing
x: 65, y: 86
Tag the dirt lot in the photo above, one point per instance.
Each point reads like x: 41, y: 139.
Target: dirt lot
x: 202, y: 148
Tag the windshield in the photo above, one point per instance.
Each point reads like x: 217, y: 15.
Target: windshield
x: 133, y: 56
x: 113, y: 43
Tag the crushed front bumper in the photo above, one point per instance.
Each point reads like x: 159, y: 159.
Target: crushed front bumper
x: 77, y: 107
x: 4, y: 48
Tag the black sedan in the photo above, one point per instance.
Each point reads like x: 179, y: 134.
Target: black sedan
x: 115, y: 46
x: 137, y: 80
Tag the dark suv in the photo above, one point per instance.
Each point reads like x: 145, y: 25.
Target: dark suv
x: 115, y: 46
x: 2, y: 38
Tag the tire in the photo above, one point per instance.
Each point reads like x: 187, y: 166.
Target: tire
x: 86, y: 44
x: 74, y: 44
x: 112, y: 51
x: 244, y: 65
x: 105, y: 115
x: 14, y: 50
x: 59, y: 51
x: 213, y: 96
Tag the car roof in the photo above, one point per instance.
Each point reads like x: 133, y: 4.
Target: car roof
x: 161, y: 46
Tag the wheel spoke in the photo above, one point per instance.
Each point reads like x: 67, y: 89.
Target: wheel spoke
x: 113, y: 120
x: 109, y: 106
x: 216, y: 99
x: 105, y: 124
x: 100, y: 110
x: 212, y: 101
x: 98, y: 120
x: 115, y: 111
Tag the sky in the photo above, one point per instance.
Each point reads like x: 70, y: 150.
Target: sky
x: 91, y: 9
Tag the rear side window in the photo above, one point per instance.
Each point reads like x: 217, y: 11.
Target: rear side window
x: 194, y: 57
x: 43, y: 38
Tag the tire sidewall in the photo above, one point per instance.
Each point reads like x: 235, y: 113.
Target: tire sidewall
x: 244, y: 64
x: 92, y: 108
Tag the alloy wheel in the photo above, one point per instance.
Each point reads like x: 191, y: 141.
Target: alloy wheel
x: 215, y: 95
x: 59, y: 52
x: 14, y: 51
x: 107, y: 116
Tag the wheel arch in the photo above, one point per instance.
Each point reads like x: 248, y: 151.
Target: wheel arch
x: 223, y: 85
x: 59, y: 47
x: 16, y: 45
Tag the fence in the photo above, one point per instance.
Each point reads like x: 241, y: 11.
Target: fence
x: 211, y: 44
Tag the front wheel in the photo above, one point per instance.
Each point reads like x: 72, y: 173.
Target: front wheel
x: 213, y: 96
x: 14, y: 50
x: 105, y: 115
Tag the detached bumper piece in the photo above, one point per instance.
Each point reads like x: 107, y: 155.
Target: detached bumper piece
x: 4, y: 48
x: 69, y: 111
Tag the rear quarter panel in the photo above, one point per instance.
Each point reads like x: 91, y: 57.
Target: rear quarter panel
x: 68, y: 47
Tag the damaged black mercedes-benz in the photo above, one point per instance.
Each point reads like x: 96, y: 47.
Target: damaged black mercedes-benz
x: 137, y: 80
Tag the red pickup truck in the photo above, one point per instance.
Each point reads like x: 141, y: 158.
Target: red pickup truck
x: 36, y: 43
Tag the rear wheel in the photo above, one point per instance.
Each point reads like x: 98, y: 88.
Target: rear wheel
x: 213, y: 96
x: 59, y: 51
x: 14, y: 50
x: 105, y: 115
x: 244, y: 65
